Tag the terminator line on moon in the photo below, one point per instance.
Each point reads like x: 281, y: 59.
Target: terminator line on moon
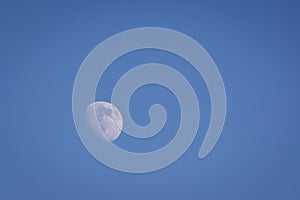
x: 105, y: 120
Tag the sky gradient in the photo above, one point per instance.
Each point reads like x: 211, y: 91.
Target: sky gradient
x: 255, y: 46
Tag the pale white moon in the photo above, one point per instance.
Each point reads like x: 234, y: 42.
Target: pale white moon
x: 105, y: 120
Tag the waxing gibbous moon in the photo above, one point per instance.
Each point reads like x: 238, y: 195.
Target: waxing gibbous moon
x: 105, y: 120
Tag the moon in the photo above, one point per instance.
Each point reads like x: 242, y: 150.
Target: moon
x: 105, y: 120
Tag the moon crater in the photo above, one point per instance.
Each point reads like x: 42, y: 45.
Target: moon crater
x: 105, y: 120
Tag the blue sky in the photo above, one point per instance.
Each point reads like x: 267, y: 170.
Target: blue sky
x: 255, y: 46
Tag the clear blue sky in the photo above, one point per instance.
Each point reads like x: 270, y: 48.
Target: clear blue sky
x: 256, y: 47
